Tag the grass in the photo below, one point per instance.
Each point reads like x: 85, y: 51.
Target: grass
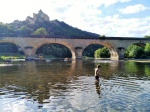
x: 6, y: 56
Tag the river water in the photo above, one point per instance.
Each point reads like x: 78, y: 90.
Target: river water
x: 59, y: 86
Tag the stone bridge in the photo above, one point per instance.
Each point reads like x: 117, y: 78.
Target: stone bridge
x: 116, y: 45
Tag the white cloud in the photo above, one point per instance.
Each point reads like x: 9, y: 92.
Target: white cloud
x: 114, y: 26
x: 125, y: 1
x: 133, y: 9
x: 111, y: 2
x: 16, y: 9
x: 133, y: 27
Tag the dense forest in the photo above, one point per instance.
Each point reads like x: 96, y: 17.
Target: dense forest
x: 132, y: 51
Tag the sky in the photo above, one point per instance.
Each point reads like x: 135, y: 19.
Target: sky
x: 113, y: 18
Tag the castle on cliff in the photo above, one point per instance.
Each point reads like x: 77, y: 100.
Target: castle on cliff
x: 40, y: 17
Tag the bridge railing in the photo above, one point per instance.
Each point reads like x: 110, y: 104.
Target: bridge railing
x: 80, y: 37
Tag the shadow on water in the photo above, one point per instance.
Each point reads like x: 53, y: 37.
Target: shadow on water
x: 70, y: 86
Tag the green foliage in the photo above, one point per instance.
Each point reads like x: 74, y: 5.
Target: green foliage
x: 102, y: 37
x: 130, y: 66
x: 8, y: 47
x: 41, y: 32
x: 14, y: 56
x: 10, y: 50
x: 97, y: 53
x: 5, y: 30
x: 134, y: 51
x: 90, y: 50
x: 147, y: 70
x: 53, y: 28
x: 147, y: 49
x: 102, y: 53
x: 24, y: 31
x: 55, y: 50
x: 146, y: 36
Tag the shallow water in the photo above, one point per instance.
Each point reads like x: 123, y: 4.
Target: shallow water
x: 70, y: 86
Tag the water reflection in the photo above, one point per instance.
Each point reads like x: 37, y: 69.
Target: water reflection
x: 147, y: 70
x: 70, y: 86
x: 97, y: 87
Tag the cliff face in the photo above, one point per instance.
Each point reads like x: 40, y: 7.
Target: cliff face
x: 40, y: 17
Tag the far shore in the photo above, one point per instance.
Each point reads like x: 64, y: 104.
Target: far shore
x: 140, y: 60
x: 11, y: 58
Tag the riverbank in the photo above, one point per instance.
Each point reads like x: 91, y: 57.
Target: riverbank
x: 140, y: 60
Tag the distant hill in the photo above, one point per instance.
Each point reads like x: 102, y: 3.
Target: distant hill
x: 54, y: 28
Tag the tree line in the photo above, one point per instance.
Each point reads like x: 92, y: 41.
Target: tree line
x: 135, y: 51
x: 132, y: 51
x: 10, y: 30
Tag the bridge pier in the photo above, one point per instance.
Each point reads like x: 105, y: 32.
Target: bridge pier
x: 78, y: 52
x: 29, y: 53
x: 121, y: 52
x: 114, y: 57
x: 113, y: 54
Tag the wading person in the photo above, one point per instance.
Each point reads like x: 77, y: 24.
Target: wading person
x: 97, y: 72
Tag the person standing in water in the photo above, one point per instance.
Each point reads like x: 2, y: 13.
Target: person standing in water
x: 97, y: 75
x: 97, y: 72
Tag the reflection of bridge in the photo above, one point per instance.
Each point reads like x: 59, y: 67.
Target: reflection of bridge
x: 116, y: 45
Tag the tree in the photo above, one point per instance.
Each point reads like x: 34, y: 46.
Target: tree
x: 147, y: 49
x: 102, y: 53
x: 24, y: 31
x: 146, y: 36
x: 134, y: 51
x: 97, y: 53
x: 8, y: 48
x: 102, y: 37
x: 56, y: 50
x: 40, y: 32
x: 90, y: 50
x: 5, y: 30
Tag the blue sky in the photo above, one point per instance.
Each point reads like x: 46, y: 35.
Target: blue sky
x: 127, y: 18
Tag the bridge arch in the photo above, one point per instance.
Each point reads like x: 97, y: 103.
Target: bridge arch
x: 89, y: 51
x: 15, y: 44
x: 54, y: 49
x: 113, y: 51
x: 60, y: 43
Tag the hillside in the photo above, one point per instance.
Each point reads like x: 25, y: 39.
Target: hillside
x: 54, y: 28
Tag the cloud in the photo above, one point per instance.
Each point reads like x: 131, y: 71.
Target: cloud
x: 125, y: 1
x: 133, y: 27
x: 114, y: 26
x: 111, y: 2
x: 133, y: 9
x: 56, y: 9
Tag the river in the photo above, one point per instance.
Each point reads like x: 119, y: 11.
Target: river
x: 69, y: 86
